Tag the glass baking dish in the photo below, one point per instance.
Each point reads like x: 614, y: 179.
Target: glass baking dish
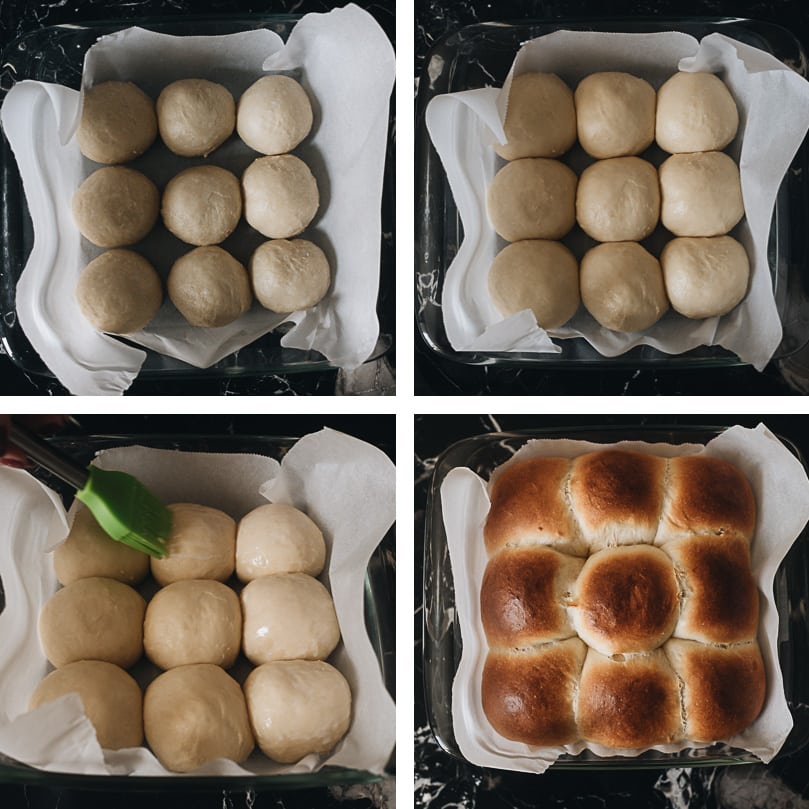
x: 481, y: 56
x: 441, y: 636
x: 379, y: 600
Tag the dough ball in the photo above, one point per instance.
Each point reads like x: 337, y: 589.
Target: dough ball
x: 297, y: 707
x: 540, y: 117
x: 695, y: 113
x: 209, y: 287
x: 618, y: 200
x: 533, y: 198
x: 280, y: 196
x: 705, y: 277
x: 539, y: 275
x: 622, y: 286
x: 111, y: 699
x: 195, y: 714
x: 115, y: 206
x: 195, y: 116
x: 118, y: 122
x: 119, y: 292
x: 615, y: 114
x: 274, y: 115
x: 202, y: 545
x: 289, y: 276
x: 193, y: 621
x: 288, y: 616
x: 93, y: 619
x: 202, y: 205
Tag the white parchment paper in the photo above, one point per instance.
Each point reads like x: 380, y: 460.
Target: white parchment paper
x: 781, y: 488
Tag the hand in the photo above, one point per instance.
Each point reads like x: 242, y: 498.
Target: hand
x: 10, y: 455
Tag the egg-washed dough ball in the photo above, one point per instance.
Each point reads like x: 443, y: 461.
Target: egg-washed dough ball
x: 297, y: 707
x: 289, y: 276
x: 615, y: 114
x: 533, y: 198
x: 111, y: 698
x: 115, y: 206
x: 278, y: 538
x: 274, y: 115
x: 701, y: 194
x: 193, y: 621
x: 540, y: 117
x: 695, y: 113
x: 202, y: 545
x: 288, y: 616
x: 93, y: 619
x: 705, y: 277
x: 195, y: 116
x: 618, y: 200
x: 622, y: 286
x: 195, y: 714
x: 539, y: 275
x: 202, y: 205
x: 280, y: 196
x: 118, y: 122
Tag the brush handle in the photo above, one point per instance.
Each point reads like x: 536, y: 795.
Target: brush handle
x: 47, y: 456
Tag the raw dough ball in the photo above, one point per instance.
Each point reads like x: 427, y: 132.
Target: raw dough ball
x: 280, y: 196
x: 277, y: 538
x: 195, y: 116
x: 618, y: 200
x: 115, y: 206
x: 119, y: 292
x: 539, y: 275
x: 540, y: 117
x: 615, y: 114
x: 195, y: 714
x: 111, y: 699
x: 193, y: 621
x: 202, y: 205
x: 622, y: 286
x: 288, y: 616
x: 202, y: 545
x: 118, y: 122
x: 274, y: 115
x: 297, y: 707
x: 289, y: 276
x: 209, y: 287
x: 695, y: 113
x: 705, y: 277
x: 533, y: 198
x: 93, y: 619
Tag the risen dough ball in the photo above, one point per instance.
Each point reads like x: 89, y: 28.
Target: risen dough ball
x: 195, y: 116
x: 93, y: 619
x: 111, y: 699
x: 705, y: 277
x: 117, y: 124
x: 195, y: 714
x: 701, y: 194
x: 202, y: 205
x: 539, y: 275
x: 297, y: 707
x: 289, y: 276
x: 288, y: 616
x: 622, y: 286
x: 533, y: 198
x: 280, y: 196
x: 540, y: 117
x: 209, y: 287
x: 277, y: 538
x: 274, y: 115
x: 119, y: 292
x: 202, y: 545
x: 615, y: 113
x: 115, y: 206
x: 618, y: 200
